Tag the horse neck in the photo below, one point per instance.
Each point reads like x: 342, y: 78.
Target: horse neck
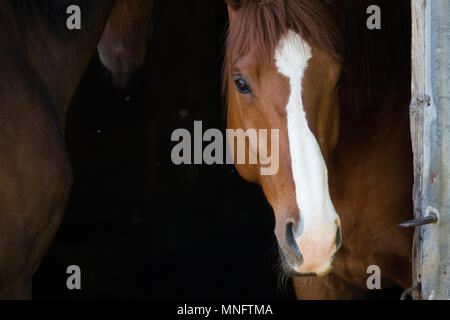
x: 57, y: 62
x: 373, y: 156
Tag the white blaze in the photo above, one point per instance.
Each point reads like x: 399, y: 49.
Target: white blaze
x: 317, y: 213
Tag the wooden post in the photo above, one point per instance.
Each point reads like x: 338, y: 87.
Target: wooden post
x: 430, y: 132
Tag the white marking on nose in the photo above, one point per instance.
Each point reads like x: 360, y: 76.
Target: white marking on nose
x: 318, y: 216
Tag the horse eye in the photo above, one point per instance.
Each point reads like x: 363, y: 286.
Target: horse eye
x: 242, y: 86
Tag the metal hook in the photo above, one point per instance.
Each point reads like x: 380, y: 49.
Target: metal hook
x: 429, y: 219
x: 408, y: 292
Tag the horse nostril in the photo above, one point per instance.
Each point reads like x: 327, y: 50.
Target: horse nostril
x: 292, y: 244
x: 338, y: 238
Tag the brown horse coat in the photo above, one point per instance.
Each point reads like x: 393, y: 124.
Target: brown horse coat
x: 362, y: 130
x: 41, y: 63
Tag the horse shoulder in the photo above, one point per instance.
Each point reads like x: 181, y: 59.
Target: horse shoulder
x: 35, y: 172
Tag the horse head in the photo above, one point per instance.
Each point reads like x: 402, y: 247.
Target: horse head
x: 282, y: 71
x: 123, y: 46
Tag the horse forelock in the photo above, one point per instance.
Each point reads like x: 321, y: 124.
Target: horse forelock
x: 372, y: 60
x: 258, y: 25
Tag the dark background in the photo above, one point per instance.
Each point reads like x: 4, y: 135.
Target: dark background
x: 137, y: 225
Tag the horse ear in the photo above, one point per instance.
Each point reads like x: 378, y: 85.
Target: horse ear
x: 233, y: 7
x: 234, y: 4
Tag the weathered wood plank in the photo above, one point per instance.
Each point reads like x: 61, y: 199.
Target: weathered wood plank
x: 430, y: 132
x: 417, y: 118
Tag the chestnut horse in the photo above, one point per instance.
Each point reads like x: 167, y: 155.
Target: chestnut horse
x: 41, y: 63
x: 338, y: 93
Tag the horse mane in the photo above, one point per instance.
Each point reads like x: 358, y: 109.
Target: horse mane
x: 372, y: 60
x: 375, y: 61
x: 52, y: 12
x: 259, y: 25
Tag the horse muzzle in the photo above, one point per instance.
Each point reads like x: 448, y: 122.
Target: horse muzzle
x: 312, y: 252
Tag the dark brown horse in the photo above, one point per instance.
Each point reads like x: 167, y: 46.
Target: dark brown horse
x: 41, y: 63
x: 339, y: 94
